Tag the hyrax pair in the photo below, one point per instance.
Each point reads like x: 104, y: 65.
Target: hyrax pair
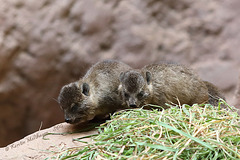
x: 163, y: 83
x: 111, y: 85
x: 95, y: 95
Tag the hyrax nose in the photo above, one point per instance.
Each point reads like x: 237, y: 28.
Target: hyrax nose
x: 68, y: 120
x: 133, y: 105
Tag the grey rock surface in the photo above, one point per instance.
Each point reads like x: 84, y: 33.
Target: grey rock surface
x: 46, y: 44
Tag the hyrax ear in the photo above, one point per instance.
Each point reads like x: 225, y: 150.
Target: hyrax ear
x: 121, y: 76
x: 119, y: 91
x: 148, y: 77
x: 119, y: 88
x: 85, y: 89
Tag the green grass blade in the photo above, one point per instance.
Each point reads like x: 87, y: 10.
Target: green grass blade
x: 156, y: 146
x: 186, y: 135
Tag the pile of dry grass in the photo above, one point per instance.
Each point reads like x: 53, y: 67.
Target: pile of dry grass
x: 180, y: 132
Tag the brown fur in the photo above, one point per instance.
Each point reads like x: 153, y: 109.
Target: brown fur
x: 95, y: 95
x: 169, y: 83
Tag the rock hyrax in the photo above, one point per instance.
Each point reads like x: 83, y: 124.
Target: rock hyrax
x: 162, y: 83
x: 95, y: 95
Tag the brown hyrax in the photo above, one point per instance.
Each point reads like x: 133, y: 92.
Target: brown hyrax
x: 95, y: 95
x: 214, y: 94
x: 162, y: 83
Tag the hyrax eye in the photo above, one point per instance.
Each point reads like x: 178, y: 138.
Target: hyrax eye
x: 126, y: 95
x: 74, y: 108
x: 141, y: 94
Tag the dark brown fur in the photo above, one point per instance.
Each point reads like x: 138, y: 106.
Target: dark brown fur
x: 95, y: 95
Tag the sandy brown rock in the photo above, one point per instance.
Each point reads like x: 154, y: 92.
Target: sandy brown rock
x: 46, y: 44
x: 39, y: 145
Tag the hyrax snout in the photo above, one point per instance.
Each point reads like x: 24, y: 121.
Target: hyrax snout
x: 95, y: 95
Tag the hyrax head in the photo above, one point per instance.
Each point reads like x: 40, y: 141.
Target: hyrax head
x: 75, y: 102
x: 133, y: 88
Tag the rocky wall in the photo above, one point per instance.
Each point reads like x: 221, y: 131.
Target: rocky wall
x: 46, y: 44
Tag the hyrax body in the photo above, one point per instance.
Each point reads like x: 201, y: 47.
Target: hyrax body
x: 162, y: 83
x: 95, y: 95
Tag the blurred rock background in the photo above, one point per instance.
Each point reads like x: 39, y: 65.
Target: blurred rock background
x: 46, y: 44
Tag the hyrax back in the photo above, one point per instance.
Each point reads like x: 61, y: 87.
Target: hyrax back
x: 95, y: 95
x: 173, y: 83
x: 164, y: 83
x: 103, y: 80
